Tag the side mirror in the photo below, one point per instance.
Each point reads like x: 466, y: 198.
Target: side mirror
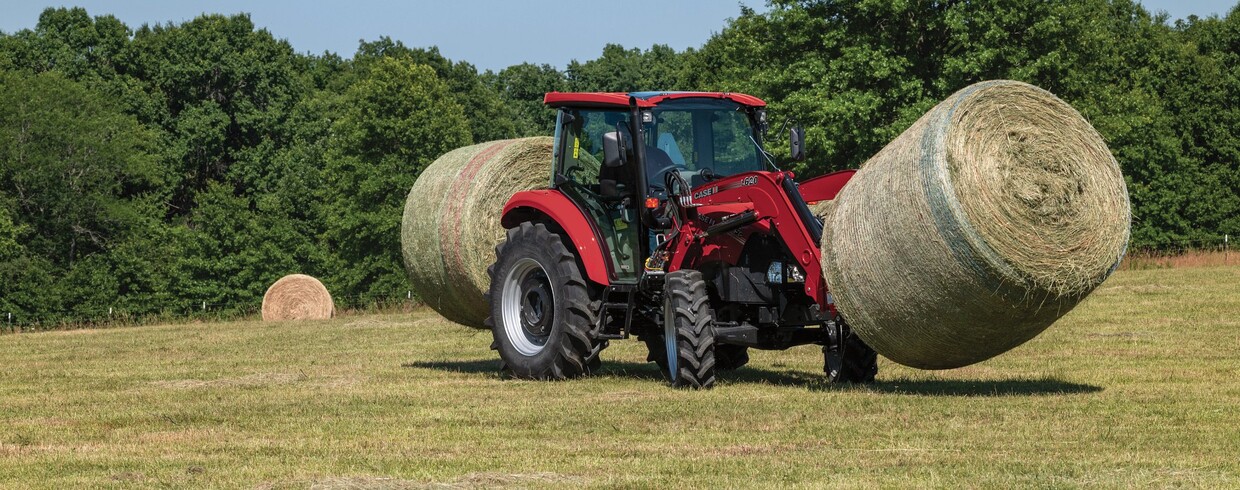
x: 796, y: 142
x: 615, y: 149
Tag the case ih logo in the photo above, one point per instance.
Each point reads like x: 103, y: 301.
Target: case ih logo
x: 712, y: 190
x: 706, y: 192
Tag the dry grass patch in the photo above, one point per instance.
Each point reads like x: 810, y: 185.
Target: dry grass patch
x: 1178, y: 260
x: 1136, y: 387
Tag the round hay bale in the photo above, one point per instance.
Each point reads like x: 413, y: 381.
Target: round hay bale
x: 297, y: 297
x: 452, y: 216
x: 975, y: 229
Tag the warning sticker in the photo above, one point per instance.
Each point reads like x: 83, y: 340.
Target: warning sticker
x: 576, y: 147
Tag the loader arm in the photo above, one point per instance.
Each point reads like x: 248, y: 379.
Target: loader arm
x: 767, y: 202
x: 825, y: 187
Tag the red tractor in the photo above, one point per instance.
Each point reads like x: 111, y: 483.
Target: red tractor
x: 666, y: 219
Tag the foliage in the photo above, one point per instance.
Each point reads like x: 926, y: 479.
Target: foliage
x: 522, y: 87
x: 491, y: 118
x: 394, y: 122
x: 75, y: 176
x: 168, y: 166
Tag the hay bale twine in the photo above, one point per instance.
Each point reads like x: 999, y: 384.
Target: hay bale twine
x: 975, y: 229
x: 297, y: 297
x: 452, y: 216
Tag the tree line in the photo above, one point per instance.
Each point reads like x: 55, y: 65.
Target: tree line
x: 198, y: 162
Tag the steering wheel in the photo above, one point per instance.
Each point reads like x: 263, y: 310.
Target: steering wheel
x: 664, y: 171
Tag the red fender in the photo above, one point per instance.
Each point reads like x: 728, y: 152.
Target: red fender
x: 824, y: 187
x: 524, y: 206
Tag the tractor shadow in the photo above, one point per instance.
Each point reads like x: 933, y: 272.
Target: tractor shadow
x: 477, y: 366
x: 812, y: 381
x: 621, y: 369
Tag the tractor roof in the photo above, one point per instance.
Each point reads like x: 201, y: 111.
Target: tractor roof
x: 644, y: 99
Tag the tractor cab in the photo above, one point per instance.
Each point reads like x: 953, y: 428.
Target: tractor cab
x: 614, y: 153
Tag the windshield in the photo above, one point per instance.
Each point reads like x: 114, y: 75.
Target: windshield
x: 698, y: 134
x: 701, y: 139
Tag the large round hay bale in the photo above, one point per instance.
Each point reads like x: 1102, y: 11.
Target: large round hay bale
x: 975, y: 229
x: 297, y: 297
x: 452, y: 221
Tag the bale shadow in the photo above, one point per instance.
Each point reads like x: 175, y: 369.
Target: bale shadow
x: 812, y: 381
x: 982, y: 388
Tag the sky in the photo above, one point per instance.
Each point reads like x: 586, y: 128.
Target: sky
x: 490, y: 34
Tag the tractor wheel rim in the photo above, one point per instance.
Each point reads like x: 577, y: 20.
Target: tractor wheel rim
x: 527, y: 307
x: 669, y: 336
x: 536, y: 306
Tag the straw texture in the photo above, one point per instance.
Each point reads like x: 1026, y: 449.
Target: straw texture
x: 451, y: 223
x: 975, y: 229
x: 297, y: 297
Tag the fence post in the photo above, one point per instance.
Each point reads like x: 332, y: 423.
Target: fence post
x: 1225, y: 247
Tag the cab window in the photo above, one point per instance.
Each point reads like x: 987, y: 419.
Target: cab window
x: 583, y: 145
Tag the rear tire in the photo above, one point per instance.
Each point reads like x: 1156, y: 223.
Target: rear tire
x: 688, y: 331
x: 540, y: 307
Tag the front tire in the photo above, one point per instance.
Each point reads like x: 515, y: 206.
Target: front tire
x: 852, y: 362
x: 688, y: 331
x: 540, y: 307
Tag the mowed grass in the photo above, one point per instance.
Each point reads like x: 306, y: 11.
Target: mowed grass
x: 1137, y: 387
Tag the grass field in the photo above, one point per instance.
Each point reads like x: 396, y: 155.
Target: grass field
x: 1138, y: 387
x: 1189, y: 258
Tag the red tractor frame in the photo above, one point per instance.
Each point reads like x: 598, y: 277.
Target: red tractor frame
x: 665, y: 218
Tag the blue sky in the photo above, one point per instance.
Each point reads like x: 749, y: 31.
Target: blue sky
x: 491, y: 34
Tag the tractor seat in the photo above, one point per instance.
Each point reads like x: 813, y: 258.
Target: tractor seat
x: 657, y: 160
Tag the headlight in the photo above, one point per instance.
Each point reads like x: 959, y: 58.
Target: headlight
x: 795, y: 274
x: 777, y: 273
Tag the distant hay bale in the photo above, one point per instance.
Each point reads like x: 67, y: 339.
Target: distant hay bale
x: 297, y: 297
x: 975, y: 229
x: 452, y: 216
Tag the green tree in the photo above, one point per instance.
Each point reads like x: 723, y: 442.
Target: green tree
x: 75, y: 176
x: 11, y: 233
x: 393, y: 123
x: 489, y: 118
x: 628, y: 70
x: 225, y: 89
x: 522, y: 88
x: 69, y: 41
x: 73, y: 162
x: 1201, y: 89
